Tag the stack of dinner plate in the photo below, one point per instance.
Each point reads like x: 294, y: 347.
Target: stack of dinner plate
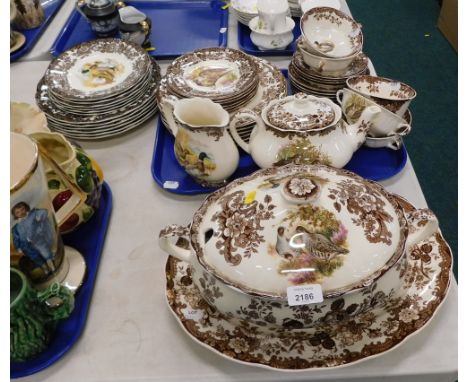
x: 99, y: 89
x: 226, y: 76
x: 305, y: 79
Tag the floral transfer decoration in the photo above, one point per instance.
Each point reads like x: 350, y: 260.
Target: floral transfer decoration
x: 367, y: 207
x: 345, y: 333
x: 301, y: 151
x: 239, y: 225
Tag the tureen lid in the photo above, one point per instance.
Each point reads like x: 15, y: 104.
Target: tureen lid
x: 296, y: 225
x: 302, y: 112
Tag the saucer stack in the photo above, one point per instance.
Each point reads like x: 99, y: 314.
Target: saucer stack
x: 305, y: 79
x: 226, y: 76
x: 244, y: 10
x: 99, y: 89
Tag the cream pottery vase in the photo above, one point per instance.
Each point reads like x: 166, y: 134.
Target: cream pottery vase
x: 303, y: 129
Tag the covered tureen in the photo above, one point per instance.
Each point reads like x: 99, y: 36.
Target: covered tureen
x: 296, y: 225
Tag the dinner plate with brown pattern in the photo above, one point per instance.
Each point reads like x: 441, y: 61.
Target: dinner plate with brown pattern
x: 347, y: 334
x: 97, y: 69
x: 217, y: 73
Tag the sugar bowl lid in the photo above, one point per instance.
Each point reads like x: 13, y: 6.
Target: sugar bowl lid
x: 296, y: 225
x: 301, y: 112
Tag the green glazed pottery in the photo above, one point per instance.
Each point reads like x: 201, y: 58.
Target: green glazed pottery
x: 34, y: 315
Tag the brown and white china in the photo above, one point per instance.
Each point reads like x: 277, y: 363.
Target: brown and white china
x: 393, y: 95
x: 302, y: 129
x: 384, y: 124
x: 355, y: 236
x: 331, y: 33
x: 347, y: 333
x: 97, y: 69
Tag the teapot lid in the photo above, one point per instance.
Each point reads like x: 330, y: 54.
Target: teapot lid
x: 295, y: 225
x: 302, y: 112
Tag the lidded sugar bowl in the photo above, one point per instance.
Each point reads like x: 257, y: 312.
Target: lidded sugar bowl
x: 303, y: 129
x: 297, y: 225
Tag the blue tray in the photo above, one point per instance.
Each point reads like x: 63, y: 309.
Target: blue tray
x: 370, y: 163
x: 32, y: 35
x: 246, y: 44
x: 89, y: 240
x: 178, y: 27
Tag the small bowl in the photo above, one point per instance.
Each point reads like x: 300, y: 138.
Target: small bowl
x: 331, y: 33
x: 393, y: 95
x: 265, y: 40
x: 384, y: 124
x: 324, y: 65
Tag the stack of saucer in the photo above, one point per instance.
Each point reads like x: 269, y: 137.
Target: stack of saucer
x: 226, y: 76
x: 99, y: 89
x: 305, y: 79
x: 244, y: 10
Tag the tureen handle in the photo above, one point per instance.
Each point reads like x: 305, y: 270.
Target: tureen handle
x: 235, y: 134
x: 422, y: 223
x: 177, y: 249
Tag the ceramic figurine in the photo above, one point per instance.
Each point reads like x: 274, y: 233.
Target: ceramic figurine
x: 303, y: 129
x: 298, y: 225
x: 102, y: 15
x: 30, y: 14
x: 36, y: 246
x: 203, y: 146
x: 82, y: 170
x: 34, y: 315
x: 134, y: 26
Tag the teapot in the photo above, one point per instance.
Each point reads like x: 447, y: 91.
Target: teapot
x: 303, y: 129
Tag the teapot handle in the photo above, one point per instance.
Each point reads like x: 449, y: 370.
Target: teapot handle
x: 422, y: 223
x: 233, y: 128
x: 166, y: 237
x: 78, y: 197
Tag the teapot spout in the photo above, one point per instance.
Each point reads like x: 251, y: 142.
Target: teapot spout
x: 364, y: 122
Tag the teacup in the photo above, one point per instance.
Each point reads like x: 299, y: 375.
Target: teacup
x: 36, y: 247
x: 393, y: 95
x: 34, y: 315
x: 384, y: 124
x: 272, y: 15
x: 30, y: 14
x: 393, y: 142
x: 324, y: 65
